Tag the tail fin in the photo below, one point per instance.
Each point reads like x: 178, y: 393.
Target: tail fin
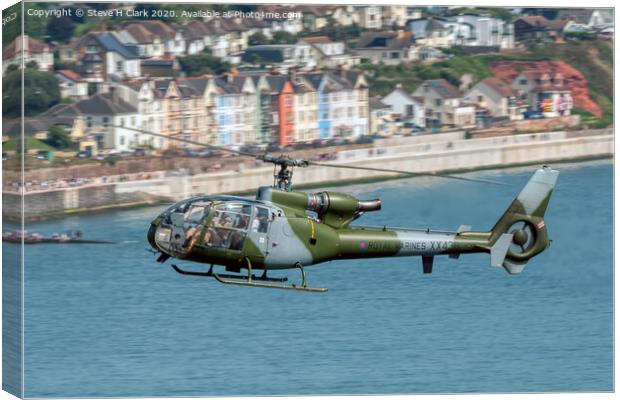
x: 524, y: 222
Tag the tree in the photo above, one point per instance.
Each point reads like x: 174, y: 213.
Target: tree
x: 40, y: 91
x: 203, y: 63
x: 60, y: 29
x: 283, y: 37
x: 58, y: 138
x: 257, y: 39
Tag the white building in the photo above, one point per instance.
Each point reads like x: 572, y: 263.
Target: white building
x: 72, y: 85
x: 106, y: 119
x: 31, y: 50
x: 480, y: 30
x: 406, y: 107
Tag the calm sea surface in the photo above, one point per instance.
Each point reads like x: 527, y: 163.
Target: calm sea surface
x: 107, y: 320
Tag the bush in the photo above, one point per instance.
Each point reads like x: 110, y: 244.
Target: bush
x: 40, y: 91
x: 203, y: 63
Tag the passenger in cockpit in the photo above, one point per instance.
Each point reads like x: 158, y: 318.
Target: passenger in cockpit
x: 236, y: 241
x: 242, y: 221
x: 212, y: 238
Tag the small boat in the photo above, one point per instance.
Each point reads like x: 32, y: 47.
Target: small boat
x: 73, y: 237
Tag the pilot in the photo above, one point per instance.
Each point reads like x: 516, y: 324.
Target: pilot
x: 192, y: 235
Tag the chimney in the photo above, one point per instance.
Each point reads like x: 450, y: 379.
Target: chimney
x: 113, y: 94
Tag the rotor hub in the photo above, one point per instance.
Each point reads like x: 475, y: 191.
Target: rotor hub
x: 520, y: 237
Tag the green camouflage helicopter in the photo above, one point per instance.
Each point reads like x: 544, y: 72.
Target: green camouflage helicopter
x: 285, y: 229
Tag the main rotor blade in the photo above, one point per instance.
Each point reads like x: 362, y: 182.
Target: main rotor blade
x: 303, y: 163
x: 189, y: 141
x: 409, y: 173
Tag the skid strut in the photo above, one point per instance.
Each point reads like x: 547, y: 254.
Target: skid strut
x: 211, y: 274
x: 254, y: 280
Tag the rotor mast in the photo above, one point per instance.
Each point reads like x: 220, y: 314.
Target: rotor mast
x: 283, y: 178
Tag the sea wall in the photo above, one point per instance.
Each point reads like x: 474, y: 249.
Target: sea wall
x: 457, y: 154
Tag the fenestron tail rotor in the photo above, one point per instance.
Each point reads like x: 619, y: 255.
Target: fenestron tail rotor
x: 523, y: 237
x: 283, y: 176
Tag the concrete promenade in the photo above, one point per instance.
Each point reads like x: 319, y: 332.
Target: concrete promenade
x: 450, y: 152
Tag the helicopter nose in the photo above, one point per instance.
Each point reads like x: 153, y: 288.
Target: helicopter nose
x: 150, y: 236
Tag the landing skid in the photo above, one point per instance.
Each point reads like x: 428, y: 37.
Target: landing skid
x: 253, y: 280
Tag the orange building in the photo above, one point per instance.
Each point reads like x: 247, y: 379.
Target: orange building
x: 286, y: 114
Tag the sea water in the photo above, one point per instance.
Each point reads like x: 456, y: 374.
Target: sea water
x: 107, y: 320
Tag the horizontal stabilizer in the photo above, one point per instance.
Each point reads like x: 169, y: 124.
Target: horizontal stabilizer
x: 500, y: 249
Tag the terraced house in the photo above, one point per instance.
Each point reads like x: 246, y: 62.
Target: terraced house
x: 235, y: 110
x: 348, y: 104
x: 305, y: 104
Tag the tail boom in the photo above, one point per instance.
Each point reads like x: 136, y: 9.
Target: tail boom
x: 518, y: 235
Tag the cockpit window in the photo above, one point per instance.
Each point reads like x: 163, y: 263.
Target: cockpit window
x: 261, y: 220
x: 186, y: 220
x: 229, y: 226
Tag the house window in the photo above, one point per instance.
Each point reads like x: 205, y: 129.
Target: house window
x: 119, y: 66
x: 438, y: 102
x: 105, y: 121
x: 91, y: 49
x: 395, y: 55
x: 122, y: 122
x: 409, y: 109
x: 122, y: 140
x: 133, y: 121
x: 89, y: 122
x: 522, y: 81
x: 480, y: 99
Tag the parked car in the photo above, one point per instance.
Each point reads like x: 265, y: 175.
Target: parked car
x: 274, y: 146
x: 251, y: 148
x: 364, y: 139
x: 319, y: 143
x: 337, y: 141
x: 533, y: 115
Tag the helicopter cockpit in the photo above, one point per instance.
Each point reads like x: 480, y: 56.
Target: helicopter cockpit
x: 225, y: 222
x: 182, y: 224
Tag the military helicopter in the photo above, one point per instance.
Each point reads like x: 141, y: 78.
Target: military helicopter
x: 286, y: 229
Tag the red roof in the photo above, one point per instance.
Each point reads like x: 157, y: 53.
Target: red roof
x: 72, y: 75
x: 317, y: 39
